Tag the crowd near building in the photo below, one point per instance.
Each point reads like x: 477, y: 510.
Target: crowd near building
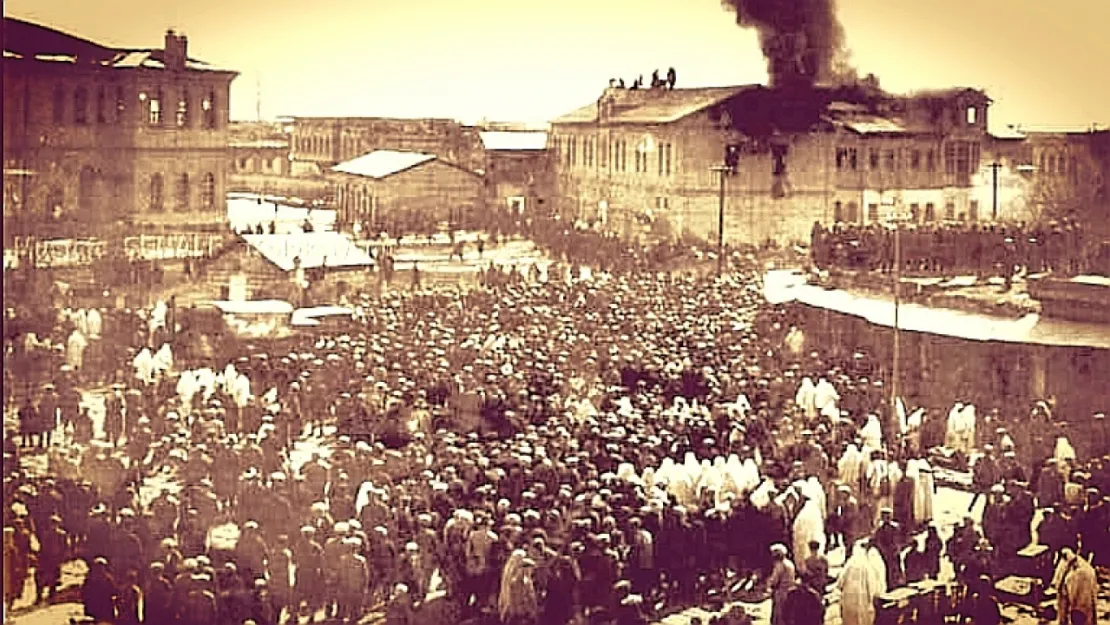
x: 622, y: 429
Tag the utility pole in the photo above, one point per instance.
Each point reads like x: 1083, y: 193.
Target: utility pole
x: 896, y: 219
x: 723, y: 171
x: 995, y: 166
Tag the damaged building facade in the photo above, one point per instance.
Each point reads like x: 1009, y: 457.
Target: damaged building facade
x: 101, y: 141
x: 648, y: 160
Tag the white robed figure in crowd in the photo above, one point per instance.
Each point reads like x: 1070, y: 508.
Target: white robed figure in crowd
x: 795, y: 341
x: 158, y: 317
x: 187, y: 387
x: 871, y: 435
x: 806, y: 398
x: 809, y: 526
x: 163, y: 359
x: 1064, y: 454
x: 952, y: 429
x: 206, y: 382
x: 80, y: 319
x: 95, y: 323
x: 827, y: 399
x: 848, y: 467
x: 967, y: 431
x: 241, y: 390
x: 858, y: 588
x: 924, y: 488
x: 75, y: 350
x: 144, y: 366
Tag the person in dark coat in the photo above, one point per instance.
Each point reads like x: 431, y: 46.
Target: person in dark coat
x: 99, y: 593
x: 157, y: 596
x: 52, y: 553
x: 984, y: 475
x: 804, y: 605
x: 887, y: 539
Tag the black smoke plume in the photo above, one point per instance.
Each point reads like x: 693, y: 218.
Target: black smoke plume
x: 802, y: 40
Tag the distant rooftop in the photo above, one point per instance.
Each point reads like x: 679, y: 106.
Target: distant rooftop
x: 25, y: 40
x: 382, y: 163
x: 653, y: 105
x: 514, y: 141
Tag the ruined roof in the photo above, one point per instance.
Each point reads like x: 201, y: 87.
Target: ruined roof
x: 653, y: 106
x: 29, y: 41
x: 382, y: 163
x: 513, y: 140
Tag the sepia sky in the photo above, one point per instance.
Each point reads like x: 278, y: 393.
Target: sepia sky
x: 1044, y: 63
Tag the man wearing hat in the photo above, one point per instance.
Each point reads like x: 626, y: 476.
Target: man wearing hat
x: 780, y: 583
x: 984, y: 475
x: 887, y: 539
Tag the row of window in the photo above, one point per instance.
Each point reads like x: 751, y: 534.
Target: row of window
x: 313, y: 144
x: 1058, y: 164
x: 849, y: 212
x: 251, y: 164
x: 614, y: 155
x: 960, y: 158
x: 183, y: 190
x: 109, y: 106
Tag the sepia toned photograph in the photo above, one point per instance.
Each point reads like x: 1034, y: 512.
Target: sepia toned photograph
x: 490, y: 312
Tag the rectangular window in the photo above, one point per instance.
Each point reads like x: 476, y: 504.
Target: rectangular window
x: 838, y: 212
x: 661, y: 156
x: 973, y: 210
x: 208, y: 109
x: 80, y: 106
x: 930, y: 212
x: 950, y: 158
x: 853, y: 158
x: 890, y: 158
x: 915, y: 212
x: 841, y: 158
x: 972, y: 115
x: 101, y: 105
x: 915, y: 160
x: 670, y: 157
x: 873, y: 158
x: 931, y: 160
x: 182, y: 117
x: 873, y: 212
x: 950, y: 211
x: 154, y: 107
x: 59, y: 105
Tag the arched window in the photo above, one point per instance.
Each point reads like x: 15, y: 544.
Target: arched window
x: 156, y: 193
x: 182, y: 193
x: 838, y: 212
x: 80, y: 106
x: 59, y: 104
x: 250, y: 164
x: 183, y: 109
x: 208, y: 192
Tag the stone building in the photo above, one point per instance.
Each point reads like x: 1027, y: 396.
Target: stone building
x: 401, y: 192
x: 100, y: 141
x: 517, y: 171
x: 648, y: 161
x: 320, y: 143
x: 1045, y: 175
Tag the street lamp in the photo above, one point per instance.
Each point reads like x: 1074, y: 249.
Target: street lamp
x: 896, y: 219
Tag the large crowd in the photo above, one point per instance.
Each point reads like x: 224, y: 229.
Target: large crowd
x: 945, y: 249
x: 550, y: 450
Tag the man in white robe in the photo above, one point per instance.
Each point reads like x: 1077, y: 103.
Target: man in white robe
x: 96, y: 324
x: 144, y: 366
x: 859, y: 588
x: 827, y: 399
x: 75, y: 350
x: 806, y: 398
x: 809, y: 526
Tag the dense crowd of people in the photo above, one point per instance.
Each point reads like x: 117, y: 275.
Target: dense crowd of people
x: 945, y: 249
x: 542, y: 450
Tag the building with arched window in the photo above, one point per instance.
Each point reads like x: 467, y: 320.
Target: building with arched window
x: 112, y: 140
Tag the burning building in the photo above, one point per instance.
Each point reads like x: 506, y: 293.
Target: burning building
x: 792, y: 154
x: 818, y: 144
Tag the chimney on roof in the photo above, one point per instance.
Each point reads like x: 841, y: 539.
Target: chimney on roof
x: 176, y: 51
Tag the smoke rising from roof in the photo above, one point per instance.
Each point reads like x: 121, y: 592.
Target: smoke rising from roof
x: 802, y: 40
